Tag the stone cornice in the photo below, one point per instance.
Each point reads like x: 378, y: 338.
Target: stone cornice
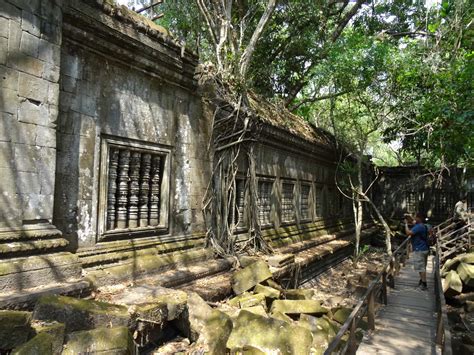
x: 158, y: 56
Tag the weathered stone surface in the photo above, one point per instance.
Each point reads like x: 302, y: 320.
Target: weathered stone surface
x: 41, y: 344
x: 153, y: 303
x: 466, y: 273
x: 80, y: 314
x: 268, y: 335
x: 55, y: 330
x: 235, y: 301
x: 299, y: 294
x: 252, y: 300
x: 453, y: 263
x: 280, y: 260
x: 452, y: 284
x: 256, y: 310
x: 116, y: 340
x: 206, y: 326
x: 250, y: 276
x: 271, y: 283
x: 281, y: 316
x: 15, y: 328
x: 246, y: 260
x: 341, y: 314
x: 469, y: 306
x: 268, y: 291
x: 298, y: 307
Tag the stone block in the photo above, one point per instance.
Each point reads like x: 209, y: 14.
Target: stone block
x: 4, y: 27
x: 281, y: 316
x: 26, y: 157
x: 32, y: 87
x: 31, y: 112
x: 3, y: 50
x: 27, y: 64
x: 116, y: 340
x: 298, y: 307
x: 319, y: 324
x: 30, y: 23
x: 53, y: 94
x: 269, y: 335
x: 51, y: 32
x: 15, y: 328
x: 252, y: 300
x: 71, y: 66
x: 29, y: 44
x: 280, y: 260
x: 10, y: 101
x: 466, y: 273
x: 80, y: 314
x: 46, y: 137
x: 29, y: 5
x: 8, y: 11
x: 299, y: 294
x: 49, y: 52
x: 8, y: 78
x: 41, y: 344
x: 14, y: 38
x: 267, y: 291
x: 452, y: 284
x: 259, y: 309
x: 55, y: 330
x: 51, y: 73
x: 250, y: 276
x: 341, y: 314
x: 207, y: 327
x: 27, y: 182
x: 469, y: 306
x: 6, y: 156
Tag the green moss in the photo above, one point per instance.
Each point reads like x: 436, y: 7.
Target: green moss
x: 84, y: 305
x: 115, y: 340
x: 41, y: 344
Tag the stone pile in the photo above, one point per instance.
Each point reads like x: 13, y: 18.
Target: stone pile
x: 458, y: 279
x: 260, y: 317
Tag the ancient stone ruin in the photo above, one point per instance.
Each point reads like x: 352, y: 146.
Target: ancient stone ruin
x: 105, y: 161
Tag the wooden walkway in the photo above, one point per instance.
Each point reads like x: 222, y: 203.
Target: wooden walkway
x: 407, y: 324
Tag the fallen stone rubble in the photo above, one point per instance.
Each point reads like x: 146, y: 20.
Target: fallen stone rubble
x: 458, y: 287
x: 261, y: 317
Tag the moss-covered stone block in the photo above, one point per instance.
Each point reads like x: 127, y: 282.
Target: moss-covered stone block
x: 281, y: 316
x: 55, y: 329
x: 116, y: 340
x: 268, y: 291
x: 253, y: 300
x: 209, y: 328
x: 273, y: 284
x: 250, y: 276
x: 15, y: 329
x: 341, y: 314
x: 452, y: 284
x: 41, y: 344
x: 298, y: 307
x: 269, y: 335
x: 80, y: 314
x: 256, y: 310
x: 235, y: 301
x: 299, y: 294
x: 466, y: 273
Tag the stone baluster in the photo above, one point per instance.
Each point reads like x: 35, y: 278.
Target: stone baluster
x: 112, y: 188
x: 154, y: 208
x: 143, y: 199
x: 122, y: 193
x: 134, y: 189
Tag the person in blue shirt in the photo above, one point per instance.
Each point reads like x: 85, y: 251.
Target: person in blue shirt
x: 418, y: 235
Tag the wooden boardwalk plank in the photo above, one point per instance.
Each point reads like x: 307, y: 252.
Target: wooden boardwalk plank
x: 407, y: 325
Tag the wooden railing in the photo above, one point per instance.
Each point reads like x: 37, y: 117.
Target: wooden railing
x: 443, y: 334
x: 366, y: 306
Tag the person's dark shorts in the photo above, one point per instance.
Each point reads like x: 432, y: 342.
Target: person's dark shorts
x: 420, y: 259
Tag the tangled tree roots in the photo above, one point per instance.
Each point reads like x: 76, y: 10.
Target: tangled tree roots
x: 235, y: 131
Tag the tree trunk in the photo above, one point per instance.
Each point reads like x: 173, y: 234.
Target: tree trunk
x: 388, y: 232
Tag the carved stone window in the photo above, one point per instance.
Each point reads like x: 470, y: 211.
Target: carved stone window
x: 134, y: 188
x: 287, y: 202
x: 264, y: 202
x: 304, y: 202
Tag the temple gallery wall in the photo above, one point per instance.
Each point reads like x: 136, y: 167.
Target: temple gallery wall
x: 105, y: 158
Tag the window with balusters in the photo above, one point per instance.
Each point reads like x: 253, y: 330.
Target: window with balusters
x: 287, y: 202
x: 304, y: 202
x: 135, y: 193
x: 264, y: 202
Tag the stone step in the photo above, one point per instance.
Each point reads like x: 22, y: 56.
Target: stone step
x: 27, y: 298
x: 27, y: 233
x: 32, y: 246
x: 22, y: 273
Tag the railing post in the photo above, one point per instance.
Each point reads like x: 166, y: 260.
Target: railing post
x: 371, y: 311
x: 384, y: 287
x: 352, y: 346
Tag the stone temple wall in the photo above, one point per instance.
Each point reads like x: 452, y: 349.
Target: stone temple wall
x: 104, y: 155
